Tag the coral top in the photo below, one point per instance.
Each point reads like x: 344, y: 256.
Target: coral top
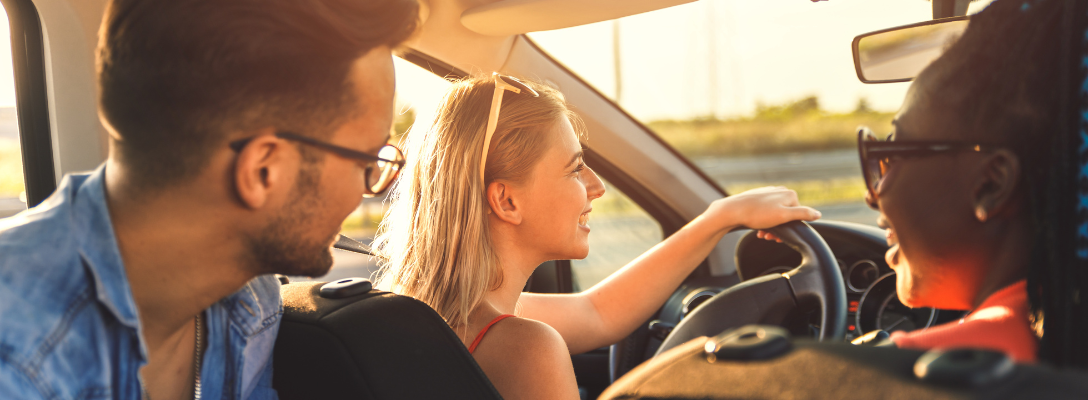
x: 1001, y: 323
x: 480, y: 337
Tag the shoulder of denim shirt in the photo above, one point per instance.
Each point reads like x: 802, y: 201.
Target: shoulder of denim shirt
x: 43, y: 284
x: 256, y: 306
x: 14, y: 384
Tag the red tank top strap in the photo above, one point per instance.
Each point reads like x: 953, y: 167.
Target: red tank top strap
x: 479, y: 337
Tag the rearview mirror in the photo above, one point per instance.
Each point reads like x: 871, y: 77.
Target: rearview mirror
x: 899, y: 54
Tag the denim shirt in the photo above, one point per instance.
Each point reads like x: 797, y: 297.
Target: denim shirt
x: 69, y: 328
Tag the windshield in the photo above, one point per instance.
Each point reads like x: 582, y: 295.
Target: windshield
x: 754, y: 93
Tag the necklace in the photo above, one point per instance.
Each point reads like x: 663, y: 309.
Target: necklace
x: 198, y: 358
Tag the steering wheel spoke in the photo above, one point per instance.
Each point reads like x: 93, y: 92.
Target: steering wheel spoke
x: 816, y: 283
x: 764, y: 300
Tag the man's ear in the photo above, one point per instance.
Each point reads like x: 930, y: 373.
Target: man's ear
x: 995, y: 192
x: 501, y: 198
x: 260, y: 169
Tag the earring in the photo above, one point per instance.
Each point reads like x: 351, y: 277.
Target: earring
x: 980, y: 213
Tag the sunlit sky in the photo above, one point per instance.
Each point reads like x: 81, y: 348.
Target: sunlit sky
x: 720, y: 57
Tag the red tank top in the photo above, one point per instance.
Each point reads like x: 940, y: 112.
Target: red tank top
x: 479, y: 337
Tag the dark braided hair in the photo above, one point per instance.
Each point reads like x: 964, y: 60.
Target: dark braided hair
x: 1014, y: 77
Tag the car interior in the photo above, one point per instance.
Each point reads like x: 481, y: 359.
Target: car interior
x: 780, y: 317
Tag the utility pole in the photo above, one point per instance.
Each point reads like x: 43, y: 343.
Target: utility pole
x: 616, y: 59
x: 712, y: 61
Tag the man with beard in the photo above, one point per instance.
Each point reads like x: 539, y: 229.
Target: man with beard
x: 242, y: 133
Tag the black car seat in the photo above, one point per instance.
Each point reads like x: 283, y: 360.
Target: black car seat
x: 370, y: 345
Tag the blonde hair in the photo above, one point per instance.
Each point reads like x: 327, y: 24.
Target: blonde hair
x: 435, y: 237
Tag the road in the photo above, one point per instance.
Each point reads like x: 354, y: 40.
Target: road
x: 795, y: 167
x: 784, y: 167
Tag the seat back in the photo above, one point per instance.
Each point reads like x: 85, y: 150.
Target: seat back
x: 376, y: 345
x: 735, y: 365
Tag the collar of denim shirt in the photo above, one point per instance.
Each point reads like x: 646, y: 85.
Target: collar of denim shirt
x: 99, y: 249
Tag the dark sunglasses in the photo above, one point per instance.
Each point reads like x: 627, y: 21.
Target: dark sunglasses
x: 878, y: 155
x: 380, y: 170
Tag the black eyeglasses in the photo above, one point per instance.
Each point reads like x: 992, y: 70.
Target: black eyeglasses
x: 380, y: 170
x: 877, y: 155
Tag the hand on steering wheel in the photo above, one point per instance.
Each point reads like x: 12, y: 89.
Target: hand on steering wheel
x: 760, y: 208
x: 816, y: 283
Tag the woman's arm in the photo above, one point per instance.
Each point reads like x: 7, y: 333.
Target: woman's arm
x: 612, y: 309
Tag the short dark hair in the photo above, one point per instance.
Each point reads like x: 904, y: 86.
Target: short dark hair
x: 1013, y: 78
x: 176, y: 76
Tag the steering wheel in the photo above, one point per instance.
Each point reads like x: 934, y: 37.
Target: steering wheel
x: 815, y: 284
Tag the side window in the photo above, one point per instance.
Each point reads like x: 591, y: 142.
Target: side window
x: 620, y: 232
x: 418, y: 95
x: 12, y: 188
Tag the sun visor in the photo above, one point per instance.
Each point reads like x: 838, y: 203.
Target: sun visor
x: 514, y: 17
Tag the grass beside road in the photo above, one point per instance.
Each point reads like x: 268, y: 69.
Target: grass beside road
x: 11, y: 168
x: 797, y: 127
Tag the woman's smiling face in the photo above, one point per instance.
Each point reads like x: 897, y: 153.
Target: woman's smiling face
x: 558, y: 197
x: 926, y: 204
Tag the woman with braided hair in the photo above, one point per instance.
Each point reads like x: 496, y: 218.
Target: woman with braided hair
x: 967, y: 187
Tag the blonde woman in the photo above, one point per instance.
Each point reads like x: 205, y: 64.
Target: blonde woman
x: 497, y: 187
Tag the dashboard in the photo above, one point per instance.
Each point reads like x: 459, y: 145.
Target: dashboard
x: 872, y: 302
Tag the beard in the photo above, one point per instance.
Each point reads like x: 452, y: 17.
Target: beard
x: 286, y: 245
